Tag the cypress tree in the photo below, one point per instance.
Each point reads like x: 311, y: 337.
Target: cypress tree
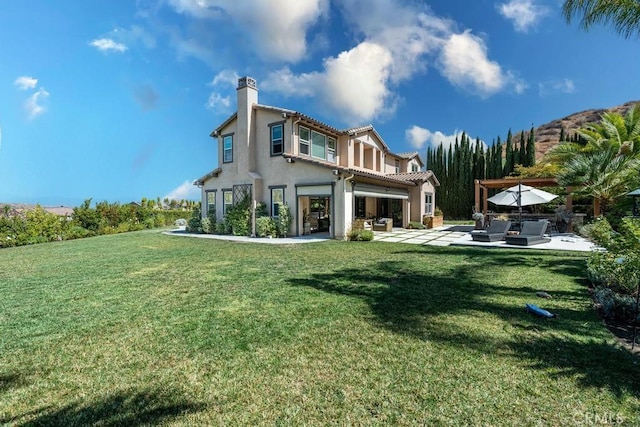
x: 522, y: 154
x: 531, y: 149
x: 508, y: 156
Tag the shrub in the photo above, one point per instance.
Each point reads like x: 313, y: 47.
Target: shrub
x: 205, y: 225
x: 222, y: 227
x: 238, y: 218
x: 180, y: 222
x: 194, y: 224
x: 614, y: 306
x: 416, y: 225
x: 265, y: 226
x: 360, y: 235
x: 283, y: 221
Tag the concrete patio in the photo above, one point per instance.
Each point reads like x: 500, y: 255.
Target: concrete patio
x: 460, y: 235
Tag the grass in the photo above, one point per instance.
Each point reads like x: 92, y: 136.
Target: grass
x: 142, y: 328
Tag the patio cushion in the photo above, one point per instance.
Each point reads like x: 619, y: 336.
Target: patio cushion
x: 496, y: 231
x: 532, y: 233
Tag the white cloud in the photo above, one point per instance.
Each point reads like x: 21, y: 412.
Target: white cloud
x: 551, y: 87
x: 465, y: 63
x: 224, y: 81
x: 418, y: 137
x: 107, y: 45
x: 25, y: 82
x: 33, y: 103
x: 186, y: 191
x: 281, y: 37
x: 398, y: 42
x: 356, y: 82
x: 525, y: 14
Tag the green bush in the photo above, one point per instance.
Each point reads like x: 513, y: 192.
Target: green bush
x: 360, y: 235
x: 238, y: 218
x: 265, y: 226
x: 621, y: 308
x: 416, y: 225
x: 194, y: 224
x: 206, y: 226
x: 283, y: 221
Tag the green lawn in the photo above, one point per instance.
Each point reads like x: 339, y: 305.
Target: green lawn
x: 143, y: 328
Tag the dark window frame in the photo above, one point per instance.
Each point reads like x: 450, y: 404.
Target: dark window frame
x: 271, y: 140
x: 224, y: 149
x: 226, y: 191
x: 271, y: 204
x: 206, y: 201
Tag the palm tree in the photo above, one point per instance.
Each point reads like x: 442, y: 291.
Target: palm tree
x: 604, y: 166
x: 604, y: 175
x: 623, y: 15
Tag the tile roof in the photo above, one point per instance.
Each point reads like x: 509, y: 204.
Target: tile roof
x: 359, y: 172
x: 416, y: 176
x: 202, y: 179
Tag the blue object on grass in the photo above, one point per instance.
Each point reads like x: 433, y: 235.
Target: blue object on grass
x: 534, y: 309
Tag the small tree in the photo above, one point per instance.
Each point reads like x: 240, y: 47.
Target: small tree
x: 284, y: 220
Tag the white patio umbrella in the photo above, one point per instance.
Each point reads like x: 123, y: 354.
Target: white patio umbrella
x: 521, y: 195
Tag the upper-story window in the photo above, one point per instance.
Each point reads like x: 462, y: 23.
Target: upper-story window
x: 227, y: 144
x: 397, y: 166
x: 317, y: 144
x: 331, y: 150
x: 277, y: 138
x: 305, y: 140
x: 414, y: 167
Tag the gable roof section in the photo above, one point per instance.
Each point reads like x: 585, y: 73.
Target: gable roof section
x: 213, y: 174
x: 416, y: 177
x: 367, y: 128
x: 410, y: 156
x: 217, y: 130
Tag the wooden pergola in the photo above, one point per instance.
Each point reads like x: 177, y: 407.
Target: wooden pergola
x: 482, y: 189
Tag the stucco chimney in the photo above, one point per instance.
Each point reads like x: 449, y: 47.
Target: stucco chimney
x: 247, y: 94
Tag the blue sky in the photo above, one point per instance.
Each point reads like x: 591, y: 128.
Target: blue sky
x: 115, y: 100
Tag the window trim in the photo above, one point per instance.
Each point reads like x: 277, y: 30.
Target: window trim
x: 397, y: 166
x: 271, y: 204
x: 428, y: 201
x: 206, y: 200
x: 224, y: 202
x: 306, y: 142
x: 271, y: 127
x: 324, y: 145
x: 224, y: 137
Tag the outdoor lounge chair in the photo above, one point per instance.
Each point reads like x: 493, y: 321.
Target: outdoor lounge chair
x: 532, y: 233
x: 383, y: 224
x: 496, y: 232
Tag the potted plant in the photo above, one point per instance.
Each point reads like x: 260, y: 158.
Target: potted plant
x: 306, y: 222
x: 478, y: 217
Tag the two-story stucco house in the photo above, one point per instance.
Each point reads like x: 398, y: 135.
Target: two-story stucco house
x: 335, y: 176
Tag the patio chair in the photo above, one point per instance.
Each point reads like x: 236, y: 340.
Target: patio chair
x: 532, y: 233
x: 383, y: 224
x: 496, y: 232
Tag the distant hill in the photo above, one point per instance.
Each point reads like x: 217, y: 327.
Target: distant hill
x: 548, y: 135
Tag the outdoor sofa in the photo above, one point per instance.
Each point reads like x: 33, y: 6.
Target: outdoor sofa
x: 383, y: 224
x: 532, y: 233
x: 496, y: 232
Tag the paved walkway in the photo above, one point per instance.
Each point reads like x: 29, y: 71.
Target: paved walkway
x: 457, y: 235
x: 440, y: 236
